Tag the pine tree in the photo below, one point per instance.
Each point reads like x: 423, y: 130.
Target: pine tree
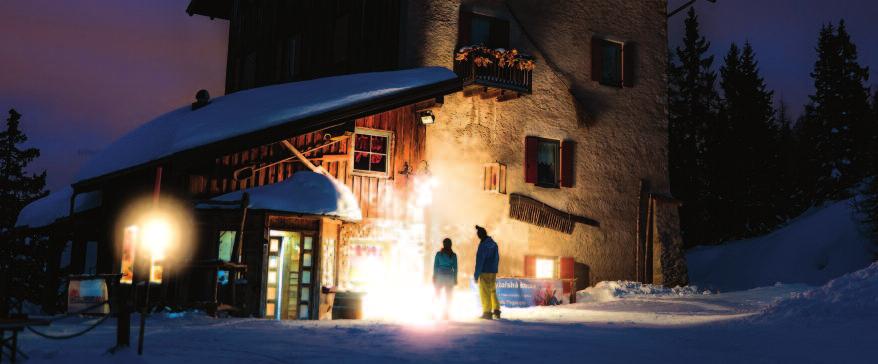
x: 836, y: 136
x: 21, y: 254
x: 788, y: 198
x: 693, y: 102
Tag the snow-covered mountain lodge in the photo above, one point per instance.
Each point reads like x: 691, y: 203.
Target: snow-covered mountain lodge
x: 355, y: 135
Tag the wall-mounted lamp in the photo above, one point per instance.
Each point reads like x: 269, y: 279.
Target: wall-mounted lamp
x: 427, y: 117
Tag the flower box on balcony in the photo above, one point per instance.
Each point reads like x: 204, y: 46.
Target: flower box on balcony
x: 495, y: 68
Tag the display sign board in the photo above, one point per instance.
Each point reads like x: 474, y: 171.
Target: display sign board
x: 528, y: 292
x: 84, y: 293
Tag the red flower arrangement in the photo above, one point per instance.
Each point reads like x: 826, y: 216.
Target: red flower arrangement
x: 482, y: 56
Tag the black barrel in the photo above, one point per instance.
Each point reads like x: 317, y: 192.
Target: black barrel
x: 348, y: 306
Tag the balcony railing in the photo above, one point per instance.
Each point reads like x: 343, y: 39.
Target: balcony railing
x: 510, y: 77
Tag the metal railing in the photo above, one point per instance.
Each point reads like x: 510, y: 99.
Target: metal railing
x: 492, y: 75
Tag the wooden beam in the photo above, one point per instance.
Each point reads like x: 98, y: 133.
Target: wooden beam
x: 305, y: 161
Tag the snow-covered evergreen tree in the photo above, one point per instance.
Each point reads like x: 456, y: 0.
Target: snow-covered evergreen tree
x: 693, y: 106
x: 21, y: 254
x: 836, y: 134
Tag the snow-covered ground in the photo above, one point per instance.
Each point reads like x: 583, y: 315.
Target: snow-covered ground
x: 637, y: 324
x: 822, y: 244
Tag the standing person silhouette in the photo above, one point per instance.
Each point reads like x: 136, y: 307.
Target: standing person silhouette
x: 445, y: 274
x: 487, y: 261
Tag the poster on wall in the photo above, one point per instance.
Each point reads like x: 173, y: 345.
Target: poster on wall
x: 528, y: 292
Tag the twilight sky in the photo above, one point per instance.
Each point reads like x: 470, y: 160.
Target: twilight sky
x: 84, y: 72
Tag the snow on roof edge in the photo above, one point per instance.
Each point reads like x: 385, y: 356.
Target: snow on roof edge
x: 251, y: 111
x: 56, y: 206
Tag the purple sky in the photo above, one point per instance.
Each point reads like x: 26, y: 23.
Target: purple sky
x: 85, y: 72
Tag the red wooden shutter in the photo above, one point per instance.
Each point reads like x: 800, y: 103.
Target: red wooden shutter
x: 629, y: 55
x: 530, y: 266
x: 567, y: 265
x: 531, y: 148
x: 464, y: 29
x: 568, y: 150
x: 597, y: 55
x: 499, y: 36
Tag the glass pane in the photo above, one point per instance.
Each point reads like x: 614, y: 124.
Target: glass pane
x: 306, y: 276
x: 361, y: 161
x: 480, y: 31
x: 362, y: 143
x: 222, y: 277
x: 269, y: 309
x: 226, y: 242
x: 306, y: 293
x: 308, y: 242
x: 303, y: 312
x: 272, y: 262
x: 379, y: 144
x: 271, y: 293
x: 547, y: 163
x: 273, y: 245
x: 611, y: 74
x: 306, y: 260
x: 378, y: 163
x: 272, y: 276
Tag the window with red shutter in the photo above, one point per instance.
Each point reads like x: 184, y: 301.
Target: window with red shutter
x: 568, y: 151
x: 629, y: 54
x: 613, y: 62
x: 531, y: 148
x: 567, y: 272
x: 530, y: 266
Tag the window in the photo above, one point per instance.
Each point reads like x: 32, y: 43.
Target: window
x: 292, y: 53
x: 224, y: 253
x: 549, y: 162
x: 91, y: 258
x: 477, y: 29
x: 494, y: 178
x: 372, y: 152
x: 613, y: 62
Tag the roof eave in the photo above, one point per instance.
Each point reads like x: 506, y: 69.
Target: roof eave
x: 305, y: 125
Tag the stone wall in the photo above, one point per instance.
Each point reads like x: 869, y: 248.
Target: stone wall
x: 621, y: 133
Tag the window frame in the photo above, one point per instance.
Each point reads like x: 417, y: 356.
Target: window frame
x: 626, y: 64
x: 557, y: 163
x: 620, y: 64
x: 497, y: 28
x: 389, y: 155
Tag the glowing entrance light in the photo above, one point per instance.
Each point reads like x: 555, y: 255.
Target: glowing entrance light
x: 157, y: 235
x: 545, y: 268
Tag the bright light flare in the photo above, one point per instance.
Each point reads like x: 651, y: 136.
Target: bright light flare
x: 157, y: 235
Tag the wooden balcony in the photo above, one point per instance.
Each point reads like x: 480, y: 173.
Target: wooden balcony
x: 491, y: 75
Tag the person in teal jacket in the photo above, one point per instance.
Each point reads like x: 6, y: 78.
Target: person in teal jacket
x: 445, y: 274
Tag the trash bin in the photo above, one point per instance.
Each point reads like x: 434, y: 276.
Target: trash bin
x: 348, y: 306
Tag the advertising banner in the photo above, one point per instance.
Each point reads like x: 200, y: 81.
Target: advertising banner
x: 82, y: 294
x: 528, y: 292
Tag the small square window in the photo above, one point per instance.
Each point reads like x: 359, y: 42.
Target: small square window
x: 494, y: 178
x: 371, y: 152
x: 548, y: 163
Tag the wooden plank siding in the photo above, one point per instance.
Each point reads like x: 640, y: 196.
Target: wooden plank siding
x: 379, y: 197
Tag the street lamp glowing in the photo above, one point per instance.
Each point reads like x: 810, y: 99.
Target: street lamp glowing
x: 157, y: 236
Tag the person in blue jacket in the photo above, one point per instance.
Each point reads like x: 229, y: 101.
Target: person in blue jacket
x: 445, y: 274
x: 487, y: 261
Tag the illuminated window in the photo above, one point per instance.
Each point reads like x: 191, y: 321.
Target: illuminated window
x: 371, y: 155
x: 545, y: 268
x: 224, y: 253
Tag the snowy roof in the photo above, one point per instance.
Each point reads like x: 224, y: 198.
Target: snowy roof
x: 305, y: 193
x: 256, y: 110
x: 56, y: 205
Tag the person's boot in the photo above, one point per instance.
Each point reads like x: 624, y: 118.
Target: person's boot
x: 496, y: 314
x: 487, y: 316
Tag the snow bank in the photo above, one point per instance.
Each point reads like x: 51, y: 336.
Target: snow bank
x: 56, y: 205
x: 820, y: 245
x: 613, y: 290
x: 850, y: 297
x: 305, y: 193
x: 250, y: 111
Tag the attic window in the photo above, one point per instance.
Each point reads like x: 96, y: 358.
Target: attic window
x: 613, y: 62
x: 371, y: 154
